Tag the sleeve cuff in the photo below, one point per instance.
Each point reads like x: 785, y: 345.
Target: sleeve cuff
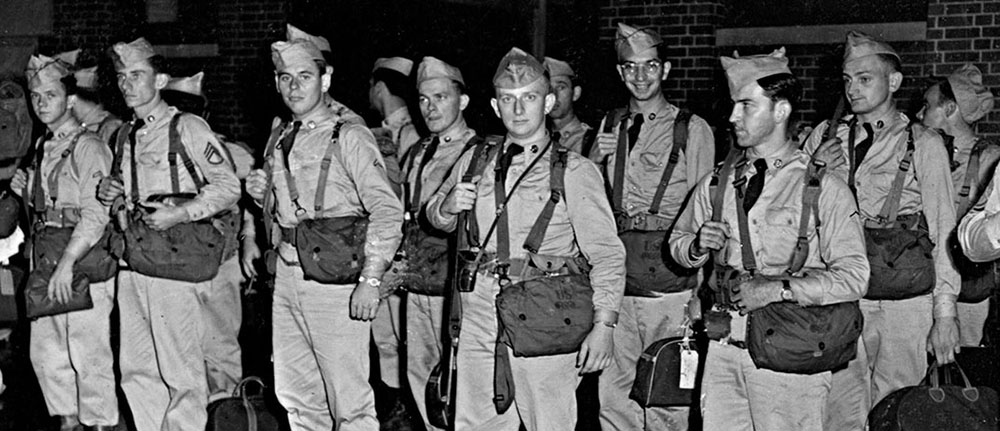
x: 196, y: 210
x: 945, y: 305
x: 605, y: 315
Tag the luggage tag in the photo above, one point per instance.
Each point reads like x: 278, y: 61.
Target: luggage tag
x: 689, y: 358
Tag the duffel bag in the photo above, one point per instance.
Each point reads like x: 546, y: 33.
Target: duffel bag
x: 547, y: 315
x: 332, y: 250
x: 98, y: 264
x: 650, y: 269
x: 36, y: 294
x: 190, y: 252
x: 243, y: 411
x: 931, y: 406
x: 789, y: 338
x: 901, y: 263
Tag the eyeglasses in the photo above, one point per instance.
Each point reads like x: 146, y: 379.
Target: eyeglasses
x: 650, y: 67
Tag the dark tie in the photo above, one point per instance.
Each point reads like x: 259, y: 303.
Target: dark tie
x: 131, y: 150
x: 288, y: 140
x: 508, y: 157
x: 633, y: 131
x: 755, y: 185
x: 862, y: 148
x: 427, y: 156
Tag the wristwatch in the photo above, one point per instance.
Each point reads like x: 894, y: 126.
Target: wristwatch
x: 372, y: 281
x: 786, y: 291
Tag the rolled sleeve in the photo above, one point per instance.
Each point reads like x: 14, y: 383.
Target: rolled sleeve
x: 438, y: 219
x: 685, y: 232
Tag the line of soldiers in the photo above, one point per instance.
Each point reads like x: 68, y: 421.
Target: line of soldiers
x: 631, y: 208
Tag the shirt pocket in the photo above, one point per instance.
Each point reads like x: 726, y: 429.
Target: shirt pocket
x: 779, y: 233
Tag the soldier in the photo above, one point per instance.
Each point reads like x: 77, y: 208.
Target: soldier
x: 339, y: 109
x: 545, y: 385
x: 954, y: 105
x: 221, y: 304
x: 571, y: 130
x: 162, y: 362
x: 736, y: 393
x: 88, y: 107
x: 71, y: 352
x: 321, y: 331
x: 442, y: 99
x: 902, y: 323
x: 648, y: 188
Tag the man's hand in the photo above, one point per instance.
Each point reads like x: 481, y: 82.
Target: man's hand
x: 364, y: 302
x: 607, y: 143
x: 461, y: 198
x: 165, y: 217
x: 61, y: 284
x: 250, y: 253
x: 256, y: 184
x: 711, y: 236
x: 756, y: 293
x: 109, y: 189
x: 943, y: 341
x: 693, y: 307
x: 831, y: 153
x: 19, y: 181
x: 597, y: 349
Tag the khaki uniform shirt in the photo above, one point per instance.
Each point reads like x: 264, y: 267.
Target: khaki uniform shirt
x: 646, y: 161
x: 581, y: 223
x: 979, y: 230
x: 571, y: 135
x: 400, y: 127
x: 961, y: 154
x: 103, y: 123
x: 356, y: 186
x: 222, y: 188
x: 77, y: 179
x: 928, y: 189
x: 437, y: 168
x: 342, y: 112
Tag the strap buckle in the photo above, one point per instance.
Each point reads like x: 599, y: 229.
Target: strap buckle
x: 502, y: 270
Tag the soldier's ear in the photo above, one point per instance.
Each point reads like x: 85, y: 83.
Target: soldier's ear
x: 577, y: 91
x: 782, y: 110
x: 70, y: 101
x: 666, y: 70
x: 951, y: 108
x: 327, y: 78
x: 895, y: 81
x: 463, y: 102
x: 621, y: 71
x: 550, y: 102
x: 496, y: 108
x: 161, y: 80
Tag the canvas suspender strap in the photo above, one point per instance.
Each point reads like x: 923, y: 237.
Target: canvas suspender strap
x: 484, y: 150
x: 501, y: 220
x: 971, y: 175
x: 268, y: 204
x: 810, y: 207
x: 589, y: 137
x: 120, y: 137
x: 851, y: 138
x: 177, y: 150
x: 557, y: 187
x: 57, y: 170
x: 324, y: 168
x: 429, y: 151
x: 890, y: 208
x: 680, y: 144
x: 621, y: 155
x: 739, y: 186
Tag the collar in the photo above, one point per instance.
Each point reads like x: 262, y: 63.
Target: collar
x: 575, y: 125
x: 317, y: 118
x: 964, y: 143
x: 94, y: 117
x: 661, y: 110
x: 397, y: 119
x: 160, y: 112
x: 779, y: 158
x: 458, y: 134
x: 886, y: 121
x: 66, y: 130
x: 533, y: 147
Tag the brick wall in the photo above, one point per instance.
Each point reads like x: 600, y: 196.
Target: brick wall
x: 957, y: 32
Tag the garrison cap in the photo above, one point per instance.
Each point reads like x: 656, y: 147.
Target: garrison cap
x: 558, y: 67
x: 295, y: 51
x: 860, y: 45
x: 292, y: 32
x: 974, y: 100
x: 127, y: 54
x: 190, y: 84
x: 517, y: 69
x: 68, y: 57
x: 86, y: 77
x: 631, y: 40
x: 432, y: 68
x: 43, y: 70
x: 741, y: 71
x: 399, y: 64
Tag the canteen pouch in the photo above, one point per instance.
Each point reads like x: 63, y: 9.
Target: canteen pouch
x: 190, y: 252
x: 332, y: 250
x: 98, y: 264
x: 901, y: 263
x: 36, y: 301
x: 548, y: 315
x: 650, y: 269
x: 467, y: 268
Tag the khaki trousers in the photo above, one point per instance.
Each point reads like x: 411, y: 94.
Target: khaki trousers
x: 222, y: 312
x: 424, y: 316
x: 385, y: 333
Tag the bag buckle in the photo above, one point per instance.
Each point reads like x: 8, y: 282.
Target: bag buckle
x: 502, y: 270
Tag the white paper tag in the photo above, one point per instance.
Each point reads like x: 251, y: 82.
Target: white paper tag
x: 689, y: 368
x: 6, y: 282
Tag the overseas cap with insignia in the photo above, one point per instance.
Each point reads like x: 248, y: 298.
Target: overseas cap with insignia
x: 558, y: 67
x: 127, y: 54
x: 43, y: 70
x: 974, y: 99
x: 284, y: 54
x: 189, y: 85
x: 399, y: 64
x: 860, y: 45
x: 292, y: 32
x: 86, y: 77
x: 68, y: 57
x: 631, y: 40
x: 517, y: 69
x: 432, y: 68
x: 742, y: 71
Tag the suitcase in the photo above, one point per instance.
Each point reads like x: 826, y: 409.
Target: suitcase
x: 242, y: 411
x: 932, y: 406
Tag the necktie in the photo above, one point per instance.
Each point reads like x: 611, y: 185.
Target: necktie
x: 633, y: 131
x: 288, y: 140
x: 862, y: 148
x: 508, y: 157
x: 418, y: 182
x: 755, y: 185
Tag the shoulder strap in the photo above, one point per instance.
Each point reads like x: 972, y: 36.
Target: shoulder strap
x: 268, y: 204
x: 557, y: 189
x: 746, y: 245
x: 119, y: 138
x: 680, y: 144
x: 67, y: 154
x: 720, y: 175
x: 852, y: 136
x: 589, y: 137
x: 621, y: 156
x: 324, y: 167
x: 483, y: 150
x: 971, y: 175
x: 890, y: 208
x: 501, y: 221
x: 810, y: 206
x: 177, y: 150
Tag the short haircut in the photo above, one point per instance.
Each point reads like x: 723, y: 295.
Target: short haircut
x: 782, y: 86
x: 398, y: 84
x: 947, y: 93
x: 892, y: 61
x: 69, y: 84
x: 91, y: 95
